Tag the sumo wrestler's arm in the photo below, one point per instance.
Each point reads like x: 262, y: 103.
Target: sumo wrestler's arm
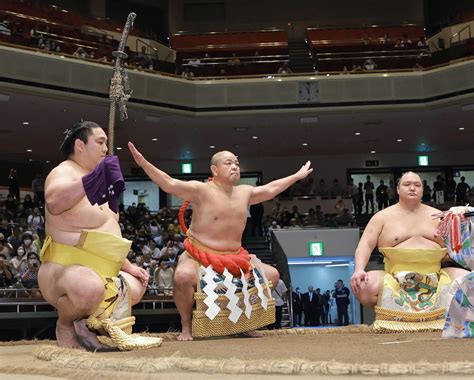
x: 271, y: 190
x: 63, y: 190
x: 364, y: 249
x: 137, y: 272
x: 186, y: 190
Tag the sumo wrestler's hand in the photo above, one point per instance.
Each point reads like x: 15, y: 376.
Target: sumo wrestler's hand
x: 305, y: 170
x: 139, y: 273
x: 137, y: 156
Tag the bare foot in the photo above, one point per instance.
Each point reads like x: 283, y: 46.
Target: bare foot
x: 252, y: 334
x: 66, y: 336
x: 186, y: 333
x: 88, y: 339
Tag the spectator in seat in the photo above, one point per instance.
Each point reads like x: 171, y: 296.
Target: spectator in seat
x: 284, y: 69
x: 234, y: 60
x: 340, y: 206
x: 163, y: 277
x: 187, y: 73
x: 346, y: 218
x: 422, y: 42
x: 385, y: 39
x: 6, y: 277
x: 5, y: 248
x: 35, y: 221
x: 336, y: 189
x: 29, y: 278
x: 18, y: 263
x: 366, y: 39
x: 369, y: 64
x: 322, y: 189
x: 405, y: 40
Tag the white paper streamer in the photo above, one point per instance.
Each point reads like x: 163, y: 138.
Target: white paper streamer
x: 245, y: 292
x: 260, y: 292
x: 257, y: 263
x: 212, y: 308
x: 235, y: 310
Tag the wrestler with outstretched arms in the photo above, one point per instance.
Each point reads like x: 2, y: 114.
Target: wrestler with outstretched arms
x: 219, y: 217
x: 76, y: 291
x: 409, y: 224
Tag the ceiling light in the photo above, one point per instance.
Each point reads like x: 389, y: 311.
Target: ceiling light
x: 461, y: 128
x: 255, y: 137
x: 29, y: 150
x: 373, y: 151
x: 305, y: 144
x: 154, y: 139
x: 26, y: 123
x: 31, y: 160
x: 357, y: 133
x: 119, y: 148
x: 399, y: 140
x: 241, y: 129
x: 212, y: 146
x: 48, y: 162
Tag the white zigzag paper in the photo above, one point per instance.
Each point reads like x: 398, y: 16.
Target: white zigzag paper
x: 245, y: 292
x: 212, y: 308
x: 260, y: 292
x: 257, y: 263
x: 235, y: 310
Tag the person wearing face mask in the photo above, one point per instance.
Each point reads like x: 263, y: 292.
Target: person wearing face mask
x: 18, y: 263
x: 28, y: 243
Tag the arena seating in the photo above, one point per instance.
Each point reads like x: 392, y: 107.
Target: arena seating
x: 215, y: 50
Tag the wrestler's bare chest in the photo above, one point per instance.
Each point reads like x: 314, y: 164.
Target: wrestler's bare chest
x: 410, y: 231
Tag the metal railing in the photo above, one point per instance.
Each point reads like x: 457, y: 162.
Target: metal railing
x: 458, y: 35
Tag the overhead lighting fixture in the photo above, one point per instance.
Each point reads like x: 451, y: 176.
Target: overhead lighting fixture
x: 309, y: 120
x: 461, y: 128
x: 48, y: 161
x: 357, y: 133
x: 30, y: 160
x: 337, y: 265
x: 212, y: 146
x: 399, y: 140
x: 29, y: 150
x: 305, y: 144
x: 373, y: 151
x: 241, y: 129
x: 119, y: 148
x: 255, y: 137
x: 26, y: 123
x: 154, y: 139
x: 468, y: 107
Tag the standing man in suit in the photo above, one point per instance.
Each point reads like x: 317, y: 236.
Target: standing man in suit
x: 310, y: 300
x: 297, y: 303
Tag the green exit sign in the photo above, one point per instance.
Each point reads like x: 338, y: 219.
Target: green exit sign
x: 186, y: 168
x: 316, y: 248
x: 423, y: 161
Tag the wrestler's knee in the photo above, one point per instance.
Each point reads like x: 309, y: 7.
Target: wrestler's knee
x: 136, y: 287
x: 84, y: 288
x: 184, y: 276
x: 272, y: 274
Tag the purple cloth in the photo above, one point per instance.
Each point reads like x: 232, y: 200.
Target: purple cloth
x: 105, y: 183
